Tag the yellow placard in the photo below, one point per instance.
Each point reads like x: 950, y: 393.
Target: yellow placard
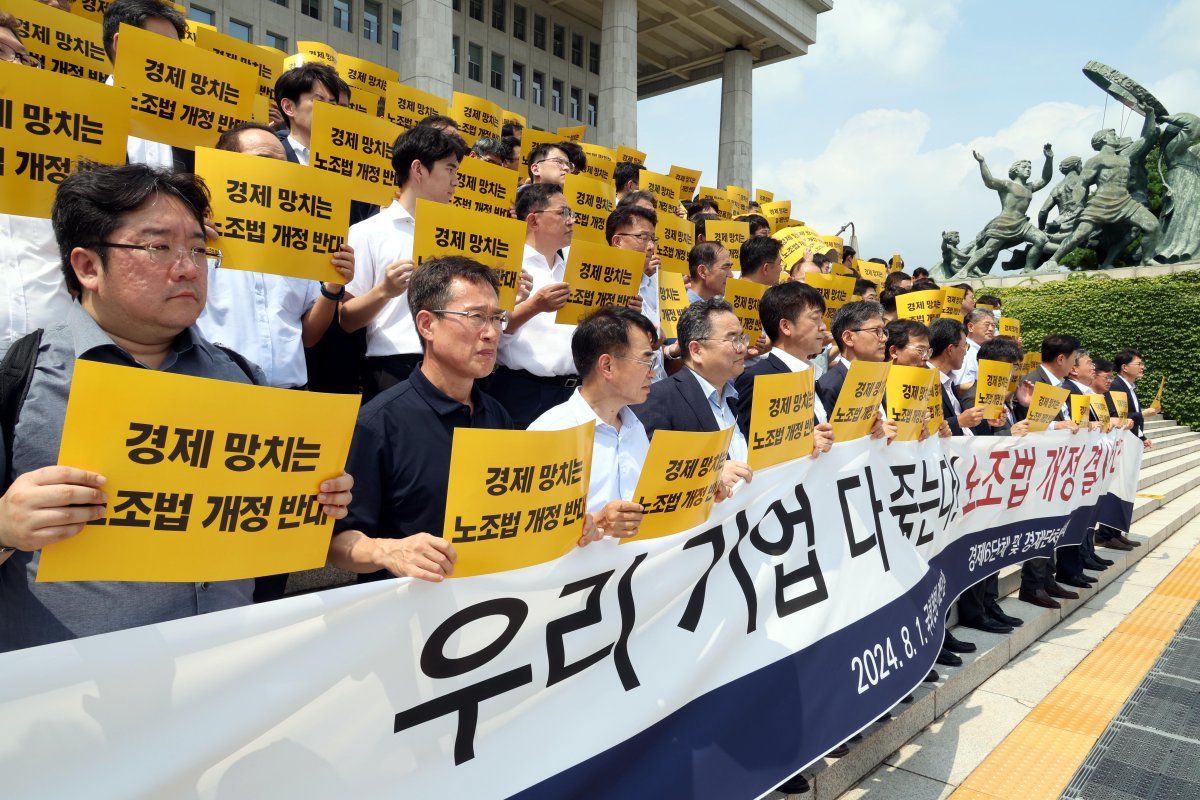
x: 498, y: 242
x: 720, y: 197
x: 688, y: 179
x: 858, y: 403
x: 365, y: 75
x: 781, y: 418
x: 836, y: 289
x: 317, y: 51
x: 739, y: 198
x: 1030, y: 361
x: 67, y: 44
x: 47, y: 123
x: 1009, y: 326
x: 795, y: 240
x: 1100, y: 409
x: 992, y: 386
x: 937, y: 413
x: 182, y: 96
x: 873, y: 272
x: 516, y: 498
x: 601, y: 161
x: 777, y: 213
x: 1121, y: 403
x: 676, y: 238
x: 835, y: 243
x: 592, y: 201
x: 356, y: 146
x: 664, y: 188
x: 572, y: 133
x: 1046, y: 405
x: 762, y: 197
x: 532, y: 138
x: 630, y: 155
x: 485, y: 187
x: 94, y: 9
x: 924, y: 306
x: 729, y: 235
x: 672, y: 301
x: 599, y: 276
x: 745, y: 296
x: 896, y: 263
x: 952, y: 300
x: 406, y: 106
x: 511, y: 117
x: 273, y: 217
x: 678, y: 484
x: 985, y: 306
x: 369, y: 103
x: 1157, y: 404
x: 267, y: 65
x: 909, y: 391
x: 196, y: 493
x: 477, y: 118
x: 1080, y: 406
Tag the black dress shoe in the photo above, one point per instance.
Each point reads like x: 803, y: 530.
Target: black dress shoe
x: 932, y: 677
x: 797, y: 784
x: 1078, y: 583
x: 1056, y: 591
x: 948, y: 659
x: 908, y: 699
x: 1038, y: 597
x: 988, y: 624
x: 841, y: 751
x: 997, y: 614
x: 1094, y: 565
x: 955, y: 645
x: 1123, y: 539
x: 1100, y: 560
x: 1114, y: 544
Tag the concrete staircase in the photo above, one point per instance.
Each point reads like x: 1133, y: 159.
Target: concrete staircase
x: 1170, y: 483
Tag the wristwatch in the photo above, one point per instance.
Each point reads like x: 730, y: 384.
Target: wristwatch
x: 328, y: 295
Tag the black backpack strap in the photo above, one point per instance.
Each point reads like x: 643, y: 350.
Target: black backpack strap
x: 240, y: 360
x: 16, y: 373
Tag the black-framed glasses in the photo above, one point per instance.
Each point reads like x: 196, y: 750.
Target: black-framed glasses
x: 166, y: 255
x: 644, y: 238
x: 562, y: 163
x: 477, y: 319
x: 736, y: 342
x: 14, y: 57
x: 566, y: 212
x: 880, y: 332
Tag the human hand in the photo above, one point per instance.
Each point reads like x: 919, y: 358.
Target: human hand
x: 48, y: 505
x: 335, y: 495
x: 1024, y: 392
x: 422, y: 555
x: 634, y: 303
x: 822, y: 439
x: 971, y: 417
x: 551, y: 297
x: 619, y: 518
x: 524, y: 286
x: 397, y: 276
x: 343, y: 264
x: 731, y: 473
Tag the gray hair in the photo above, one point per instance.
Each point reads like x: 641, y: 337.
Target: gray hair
x: 695, y: 323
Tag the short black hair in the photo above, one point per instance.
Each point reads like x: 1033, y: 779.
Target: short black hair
x: 924, y: 284
x: 606, y: 331
x: 92, y: 202
x: 136, y: 13
x: 625, y: 172
x: 229, y: 139
x: 706, y: 202
x: 862, y: 285
x: 623, y: 215
x: 702, y: 253
x: 640, y: 194
x: 851, y: 316
x: 510, y: 128
x: 966, y: 287
x: 894, y: 278
x: 296, y: 81
x: 1103, y: 364
x: 944, y: 332
x: 430, y: 286
x: 1060, y: 344
x: 699, y: 221
x: 541, y: 152
x: 988, y: 300
x: 438, y: 121
x: 535, y: 197
x: 575, y: 154
x: 887, y: 298
x: 757, y: 222
x: 1123, y: 358
x: 787, y: 301
x: 901, y: 331
x: 695, y: 323
x: 1001, y: 348
x: 920, y: 272
x: 426, y: 144
x: 756, y: 251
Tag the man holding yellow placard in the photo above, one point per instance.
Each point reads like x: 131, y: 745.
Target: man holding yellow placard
x: 1058, y: 359
x: 1129, y: 368
x: 947, y: 348
x: 859, y: 333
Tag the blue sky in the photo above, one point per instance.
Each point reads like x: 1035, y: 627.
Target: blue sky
x: 877, y: 123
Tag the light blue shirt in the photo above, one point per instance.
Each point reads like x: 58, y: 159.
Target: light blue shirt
x: 617, y: 455
x: 718, y: 403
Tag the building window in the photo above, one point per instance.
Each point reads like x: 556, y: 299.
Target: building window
x: 519, y: 16
x: 539, y: 31
x: 311, y: 8
x: 575, y: 103
x: 240, y: 30
x: 475, y: 9
x: 395, y: 29
x: 277, y: 41
x: 498, y: 21
x: 283, y: 3
x: 372, y: 12
x: 457, y: 5
x: 594, y: 58
x: 537, y: 89
x: 577, y: 49
x: 475, y: 62
x: 202, y: 15
x: 560, y: 41
x: 454, y: 53
x: 518, y: 80
x: 556, y: 91
x: 341, y: 14
x: 497, y: 76
x: 591, y: 110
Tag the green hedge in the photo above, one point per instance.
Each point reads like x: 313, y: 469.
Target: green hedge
x: 1160, y: 317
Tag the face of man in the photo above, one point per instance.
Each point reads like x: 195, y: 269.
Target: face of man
x: 554, y: 167
x: 906, y: 285
x: 968, y: 302
x: 299, y: 113
x: 555, y: 223
x: 982, y: 330
x: 260, y: 143
x: 436, y: 184
x: 867, y: 343
x: 1085, y: 370
x: 768, y: 273
x: 914, y: 354
x: 11, y: 48
x: 460, y: 345
x: 638, y: 234
x: 1134, y: 369
x: 633, y: 371
x: 808, y: 332
x: 871, y: 295
x: 1102, y: 382
x: 722, y: 356
x: 716, y: 275
x: 133, y: 296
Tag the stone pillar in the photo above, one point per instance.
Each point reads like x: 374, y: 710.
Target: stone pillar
x: 425, y: 42
x: 735, y: 158
x: 618, y: 73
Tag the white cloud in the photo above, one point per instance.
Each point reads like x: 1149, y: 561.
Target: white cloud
x: 901, y: 37
x: 1179, y: 91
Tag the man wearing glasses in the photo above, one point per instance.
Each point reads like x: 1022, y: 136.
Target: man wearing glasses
x: 859, y: 333
x: 981, y: 327
x: 548, y: 163
x: 632, y: 227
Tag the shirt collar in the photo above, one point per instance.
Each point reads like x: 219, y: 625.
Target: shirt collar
x: 710, y: 390
x: 583, y: 412
x: 396, y: 212
x: 442, y: 403
x: 295, y: 143
x: 88, y: 335
x: 790, y: 361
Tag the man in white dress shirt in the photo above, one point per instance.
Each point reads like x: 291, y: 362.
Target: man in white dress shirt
x: 981, y: 327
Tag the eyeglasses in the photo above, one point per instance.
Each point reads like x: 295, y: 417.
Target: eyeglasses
x: 644, y: 238
x: 566, y: 212
x: 165, y: 255
x: 477, y: 319
x: 736, y: 342
x: 923, y: 352
x: 561, y: 162
x: 14, y: 57
x: 880, y: 333
x: 646, y: 364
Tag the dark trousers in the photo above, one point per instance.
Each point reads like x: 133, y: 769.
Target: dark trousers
x: 526, y: 397
x: 384, y: 372
x: 976, y: 603
x: 1037, y: 573
x: 1070, y: 561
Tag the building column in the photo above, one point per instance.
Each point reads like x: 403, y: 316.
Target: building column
x: 618, y: 73
x: 735, y: 158
x: 425, y: 42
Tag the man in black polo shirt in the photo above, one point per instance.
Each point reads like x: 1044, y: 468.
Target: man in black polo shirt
x: 404, y: 435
